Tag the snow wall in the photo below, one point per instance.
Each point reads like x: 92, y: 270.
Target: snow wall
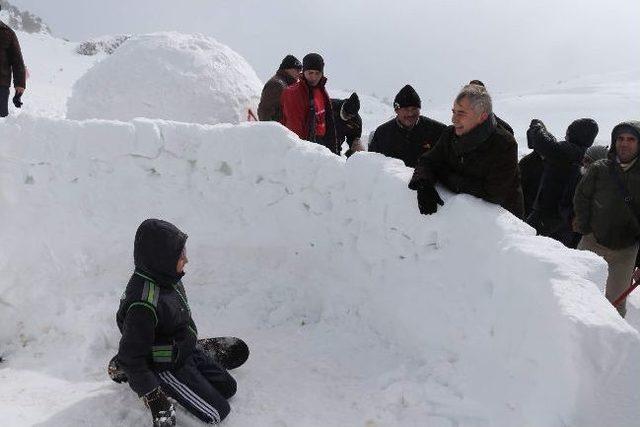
x: 170, y: 76
x: 358, y: 310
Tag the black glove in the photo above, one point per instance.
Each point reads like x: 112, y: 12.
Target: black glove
x: 536, y: 122
x: 16, y: 100
x: 428, y: 200
x: 115, y: 371
x: 534, y: 127
x: 162, y: 411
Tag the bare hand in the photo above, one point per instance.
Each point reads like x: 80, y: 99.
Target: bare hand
x: 357, y: 146
x: 19, y: 89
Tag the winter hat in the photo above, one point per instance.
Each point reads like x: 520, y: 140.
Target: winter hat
x: 313, y: 61
x: 290, y: 61
x: 157, y: 248
x: 476, y: 82
x: 631, y: 127
x: 407, y: 97
x: 352, y: 105
x: 582, y: 132
x: 596, y: 152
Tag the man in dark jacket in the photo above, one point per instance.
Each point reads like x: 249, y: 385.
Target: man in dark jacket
x: 348, y: 123
x: 531, y: 167
x: 552, y: 211
x: 158, y: 349
x: 607, y: 207
x: 269, y: 108
x: 409, y: 135
x: 474, y: 156
x: 306, y: 107
x: 10, y: 63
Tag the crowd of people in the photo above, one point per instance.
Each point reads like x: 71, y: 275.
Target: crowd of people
x: 583, y: 195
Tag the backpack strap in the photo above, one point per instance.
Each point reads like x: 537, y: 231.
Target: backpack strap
x: 149, y: 296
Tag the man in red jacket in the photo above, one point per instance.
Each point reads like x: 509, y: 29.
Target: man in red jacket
x: 306, y: 107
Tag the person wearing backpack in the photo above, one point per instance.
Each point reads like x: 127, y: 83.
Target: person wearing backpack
x: 607, y: 208
x: 158, y: 351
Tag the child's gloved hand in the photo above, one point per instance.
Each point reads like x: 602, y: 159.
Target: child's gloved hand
x: 162, y: 411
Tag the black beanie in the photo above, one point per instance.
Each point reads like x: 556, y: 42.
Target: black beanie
x: 290, y: 61
x: 352, y: 105
x: 582, y: 132
x: 313, y: 61
x: 407, y: 97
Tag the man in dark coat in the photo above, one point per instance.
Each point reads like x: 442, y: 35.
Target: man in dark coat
x: 531, y: 167
x: 552, y: 211
x: 269, y: 108
x: 408, y: 135
x: 348, y: 123
x: 607, y: 208
x: 11, y: 62
x: 158, y: 350
x: 506, y: 126
x: 306, y: 107
x: 474, y: 156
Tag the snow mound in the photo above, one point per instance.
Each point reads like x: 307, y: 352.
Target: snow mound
x: 189, y: 78
x: 359, y: 310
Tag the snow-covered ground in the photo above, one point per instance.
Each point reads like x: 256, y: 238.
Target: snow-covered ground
x: 358, y: 310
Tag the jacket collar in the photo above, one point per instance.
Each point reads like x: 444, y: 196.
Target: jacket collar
x: 286, y: 77
x: 320, y: 85
x: 475, y: 137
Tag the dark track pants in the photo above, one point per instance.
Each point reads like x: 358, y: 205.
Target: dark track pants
x: 4, y: 101
x: 201, y: 386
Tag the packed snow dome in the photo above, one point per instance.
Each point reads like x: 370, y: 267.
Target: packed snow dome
x: 171, y: 76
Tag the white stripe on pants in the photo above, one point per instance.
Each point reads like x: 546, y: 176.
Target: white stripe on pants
x: 190, y: 396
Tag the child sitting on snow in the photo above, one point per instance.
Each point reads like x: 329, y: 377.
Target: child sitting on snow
x: 158, y: 350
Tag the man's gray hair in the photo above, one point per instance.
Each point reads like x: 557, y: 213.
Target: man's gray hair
x: 478, y: 97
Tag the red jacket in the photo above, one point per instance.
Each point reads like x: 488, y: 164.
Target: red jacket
x: 295, y: 102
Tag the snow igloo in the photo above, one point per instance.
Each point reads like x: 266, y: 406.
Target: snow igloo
x: 172, y: 76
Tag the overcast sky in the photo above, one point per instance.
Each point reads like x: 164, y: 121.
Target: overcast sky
x: 377, y: 46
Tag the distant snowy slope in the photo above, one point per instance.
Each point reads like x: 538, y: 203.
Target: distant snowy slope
x: 359, y: 310
x: 53, y: 68
x: 22, y: 20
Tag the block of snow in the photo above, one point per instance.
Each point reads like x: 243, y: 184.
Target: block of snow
x: 173, y: 76
x: 358, y: 310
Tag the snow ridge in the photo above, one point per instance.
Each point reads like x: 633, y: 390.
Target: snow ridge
x: 358, y: 310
